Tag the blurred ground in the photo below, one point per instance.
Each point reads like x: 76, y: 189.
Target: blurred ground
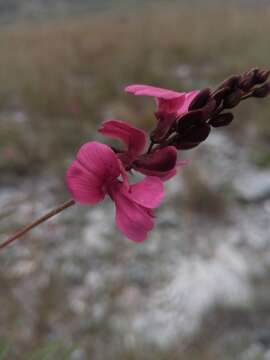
x: 198, y: 288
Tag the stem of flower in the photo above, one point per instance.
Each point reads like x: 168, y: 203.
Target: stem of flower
x: 247, y: 96
x: 150, y: 147
x: 37, y: 222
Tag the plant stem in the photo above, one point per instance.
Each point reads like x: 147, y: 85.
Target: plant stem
x: 37, y: 222
x: 150, y: 147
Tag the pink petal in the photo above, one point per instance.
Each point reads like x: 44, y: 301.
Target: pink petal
x: 83, y: 186
x: 171, y: 106
x: 132, y: 219
x: 157, y: 92
x: 94, y: 169
x: 99, y: 159
x: 168, y: 101
x: 188, y: 99
x: 131, y: 136
x: 148, y: 192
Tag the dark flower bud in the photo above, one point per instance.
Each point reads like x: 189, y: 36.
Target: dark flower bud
x: 192, y: 136
x: 190, y: 119
x: 262, y: 76
x: 160, y: 160
x: 249, y: 79
x: 220, y: 94
x: 232, y: 82
x: 232, y: 99
x: 221, y: 120
x: 200, y: 100
x: 209, y: 108
x: 262, y: 91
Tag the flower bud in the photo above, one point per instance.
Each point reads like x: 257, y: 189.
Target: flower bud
x: 262, y: 91
x: 190, y: 119
x: 200, y: 100
x: 209, y: 108
x: 220, y: 94
x: 159, y: 160
x: 232, y: 82
x: 221, y: 120
x: 232, y: 99
x: 262, y: 76
x: 192, y: 136
x: 249, y: 79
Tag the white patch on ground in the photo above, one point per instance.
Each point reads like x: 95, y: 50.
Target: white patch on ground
x: 197, y: 285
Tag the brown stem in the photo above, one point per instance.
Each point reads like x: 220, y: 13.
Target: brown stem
x: 150, y: 147
x: 247, y: 96
x: 37, y: 222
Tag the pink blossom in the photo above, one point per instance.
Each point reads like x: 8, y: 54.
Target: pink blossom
x: 97, y: 172
x: 170, y: 105
x: 133, y: 138
x: 168, y: 101
x: 161, y: 163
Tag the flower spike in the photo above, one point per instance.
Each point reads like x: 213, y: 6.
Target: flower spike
x: 184, y: 120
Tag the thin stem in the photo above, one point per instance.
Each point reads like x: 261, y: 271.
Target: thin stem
x: 150, y: 147
x: 247, y: 96
x: 168, y: 141
x: 37, y: 222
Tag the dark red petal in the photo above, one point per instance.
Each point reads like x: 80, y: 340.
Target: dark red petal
x: 160, y: 160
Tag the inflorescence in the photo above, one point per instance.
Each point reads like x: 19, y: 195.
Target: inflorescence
x: 183, y: 121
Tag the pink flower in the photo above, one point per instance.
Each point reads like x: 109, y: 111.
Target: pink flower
x: 168, y: 101
x: 161, y: 163
x: 170, y: 105
x: 133, y: 138
x: 95, y: 173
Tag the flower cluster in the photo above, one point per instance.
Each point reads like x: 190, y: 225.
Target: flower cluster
x: 183, y: 121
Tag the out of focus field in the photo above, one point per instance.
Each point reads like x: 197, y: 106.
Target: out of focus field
x: 77, y: 283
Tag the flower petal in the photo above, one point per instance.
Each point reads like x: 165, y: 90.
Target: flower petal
x: 132, y: 219
x: 99, y: 159
x: 88, y: 177
x: 188, y: 100
x: 132, y: 137
x: 149, y: 192
x: 83, y: 186
x: 158, y: 163
x: 148, y: 90
x: 171, y: 106
x: 169, y: 101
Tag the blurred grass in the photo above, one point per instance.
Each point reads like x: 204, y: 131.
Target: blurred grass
x: 50, y: 351
x: 59, y: 80
x: 4, y: 349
